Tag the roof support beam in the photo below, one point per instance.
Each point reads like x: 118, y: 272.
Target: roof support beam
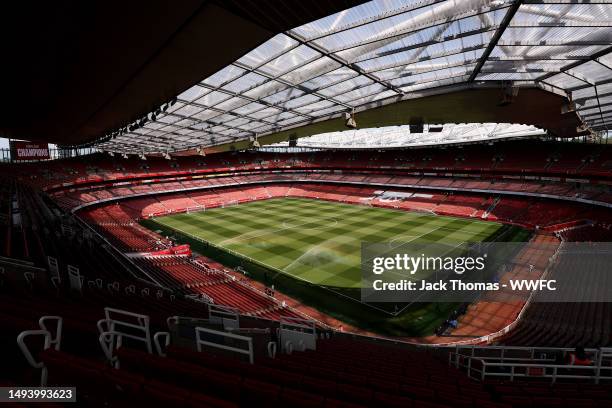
x: 589, y: 98
x: 376, y: 18
x: 549, y: 43
x: 335, y: 58
x: 568, y: 71
x: 577, y: 63
x: 598, y: 114
x: 498, y: 34
x: 582, y: 78
x: 566, y: 2
x: 603, y: 105
x: 595, y: 24
x: 290, y: 85
x: 598, y: 103
x: 581, y: 87
x: 453, y: 12
x: 435, y: 41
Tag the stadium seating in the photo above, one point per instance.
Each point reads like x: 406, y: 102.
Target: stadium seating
x: 543, y: 158
x: 560, y: 324
x: 342, y: 372
x: 69, y: 199
x: 483, y: 182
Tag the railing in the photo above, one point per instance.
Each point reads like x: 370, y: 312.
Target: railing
x: 20, y: 271
x: 224, y: 341
x: 52, y: 337
x: 119, y: 324
x: 298, y: 332
x: 511, y: 353
x: 227, y: 316
x: 510, y: 363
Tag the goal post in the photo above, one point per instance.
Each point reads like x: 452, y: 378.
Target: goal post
x: 197, y: 208
x: 230, y: 203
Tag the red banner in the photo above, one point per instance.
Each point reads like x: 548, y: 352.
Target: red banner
x: 181, y: 250
x: 29, y: 151
x: 177, y: 250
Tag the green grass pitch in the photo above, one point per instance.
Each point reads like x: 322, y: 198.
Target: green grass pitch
x: 319, y: 241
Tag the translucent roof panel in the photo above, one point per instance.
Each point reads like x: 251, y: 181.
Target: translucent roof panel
x: 401, y: 136
x: 384, y: 51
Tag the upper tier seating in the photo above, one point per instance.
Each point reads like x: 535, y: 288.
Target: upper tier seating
x: 511, y: 157
x: 70, y: 198
x: 524, y: 211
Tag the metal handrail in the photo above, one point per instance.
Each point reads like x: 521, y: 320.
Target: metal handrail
x: 540, y: 368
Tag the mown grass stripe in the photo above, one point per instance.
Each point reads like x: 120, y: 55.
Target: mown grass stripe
x: 319, y: 240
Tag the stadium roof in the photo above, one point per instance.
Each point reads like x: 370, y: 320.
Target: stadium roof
x: 422, y: 135
x: 383, y: 52
x: 74, y: 70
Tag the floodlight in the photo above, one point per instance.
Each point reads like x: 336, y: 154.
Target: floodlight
x: 350, y: 120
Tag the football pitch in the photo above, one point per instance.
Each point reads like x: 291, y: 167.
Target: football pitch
x: 318, y: 241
